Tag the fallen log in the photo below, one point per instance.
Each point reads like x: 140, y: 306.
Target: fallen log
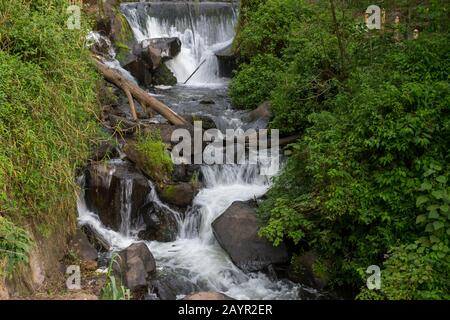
x: 133, y: 91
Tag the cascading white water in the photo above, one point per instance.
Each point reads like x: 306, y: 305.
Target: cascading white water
x: 195, y: 251
x: 125, y: 209
x: 200, y: 35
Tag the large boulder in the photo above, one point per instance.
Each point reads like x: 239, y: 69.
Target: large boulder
x: 113, y: 23
x: 207, y: 296
x: 160, y: 223
x: 227, y: 61
x: 236, y: 230
x: 166, y: 48
x: 115, y: 190
x: 140, y: 69
x: 135, y: 266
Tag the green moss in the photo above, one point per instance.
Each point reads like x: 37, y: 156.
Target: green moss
x: 156, y: 160
x: 169, y: 192
x: 163, y: 76
x: 125, y: 38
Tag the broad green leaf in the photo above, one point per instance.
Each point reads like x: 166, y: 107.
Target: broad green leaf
x: 429, y: 228
x: 437, y: 225
x: 441, y: 179
x: 426, y: 186
x: 421, y: 200
x: 421, y: 218
x: 438, y: 194
x: 433, y: 215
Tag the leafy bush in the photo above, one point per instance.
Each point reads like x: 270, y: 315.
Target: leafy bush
x: 373, y: 174
x: 368, y: 181
x: 255, y: 81
x: 14, y: 245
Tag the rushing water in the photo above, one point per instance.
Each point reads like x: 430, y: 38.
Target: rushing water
x: 203, y: 30
x: 195, y: 253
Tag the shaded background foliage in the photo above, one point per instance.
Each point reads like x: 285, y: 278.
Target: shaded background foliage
x: 368, y: 179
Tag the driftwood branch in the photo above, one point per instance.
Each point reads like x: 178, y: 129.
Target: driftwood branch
x: 133, y: 91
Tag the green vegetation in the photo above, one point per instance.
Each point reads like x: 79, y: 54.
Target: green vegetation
x: 112, y: 290
x: 156, y: 160
x: 367, y: 182
x: 14, y: 245
x: 47, y: 104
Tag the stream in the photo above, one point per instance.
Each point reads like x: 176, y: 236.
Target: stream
x: 195, y: 256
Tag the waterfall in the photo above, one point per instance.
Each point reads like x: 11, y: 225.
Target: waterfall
x: 125, y: 208
x: 195, y: 254
x: 203, y: 29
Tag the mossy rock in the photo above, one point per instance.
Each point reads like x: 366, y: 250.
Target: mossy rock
x: 180, y: 194
x: 163, y: 76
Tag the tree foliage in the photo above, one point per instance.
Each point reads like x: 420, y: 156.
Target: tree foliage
x: 368, y: 180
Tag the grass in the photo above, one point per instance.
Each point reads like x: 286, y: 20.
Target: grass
x: 157, y: 160
x: 48, y: 107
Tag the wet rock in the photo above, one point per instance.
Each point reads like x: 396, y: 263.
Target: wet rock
x: 114, y: 190
x: 144, y: 163
x: 207, y: 101
x: 236, y: 230
x: 96, y: 239
x: 187, y: 173
x: 166, y: 48
x: 113, y: 23
x: 140, y: 69
x: 168, y: 286
x: 100, y: 45
x: 163, y: 76
x: 227, y: 62
x: 309, y: 270
x: 135, y: 266
x: 104, y: 150
x: 160, y: 223
x: 180, y: 195
x: 208, y: 296
x: 82, y: 247
x: 207, y: 122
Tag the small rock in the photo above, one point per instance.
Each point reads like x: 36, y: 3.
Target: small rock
x: 135, y: 266
x: 90, y: 265
x: 207, y: 101
x: 167, y: 286
x: 104, y: 150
